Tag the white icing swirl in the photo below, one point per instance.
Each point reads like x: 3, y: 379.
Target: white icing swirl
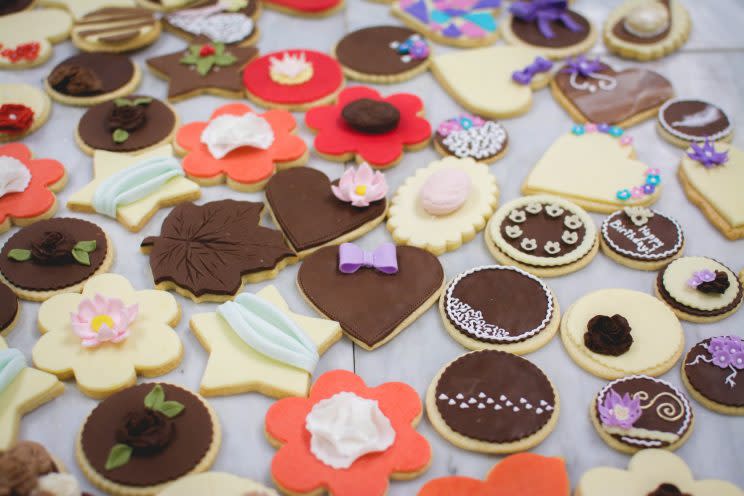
x: 57, y: 484
x: 228, y: 132
x: 14, y: 176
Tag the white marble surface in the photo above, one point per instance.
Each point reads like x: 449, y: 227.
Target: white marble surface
x: 710, y: 64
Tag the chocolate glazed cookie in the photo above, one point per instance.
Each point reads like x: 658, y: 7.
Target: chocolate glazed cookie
x: 713, y: 372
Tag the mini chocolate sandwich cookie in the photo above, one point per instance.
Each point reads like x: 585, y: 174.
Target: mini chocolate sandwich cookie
x: 711, y: 372
x: 683, y: 121
x: 90, y: 78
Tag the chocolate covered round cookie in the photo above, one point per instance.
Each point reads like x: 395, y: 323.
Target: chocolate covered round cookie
x: 682, y: 121
x: 710, y: 371
x: 87, y: 79
x: 9, y: 309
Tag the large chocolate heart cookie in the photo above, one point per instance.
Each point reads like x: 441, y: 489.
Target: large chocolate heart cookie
x: 372, y: 307
x: 304, y: 207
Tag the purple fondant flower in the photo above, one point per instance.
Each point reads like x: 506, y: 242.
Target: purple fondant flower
x: 619, y: 411
x: 544, y: 12
x: 700, y: 277
x: 707, y: 154
x: 727, y: 351
x: 582, y: 66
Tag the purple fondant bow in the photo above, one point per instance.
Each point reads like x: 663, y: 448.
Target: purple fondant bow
x: 545, y: 12
x: 525, y: 75
x: 383, y: 259
x: 582, y: 66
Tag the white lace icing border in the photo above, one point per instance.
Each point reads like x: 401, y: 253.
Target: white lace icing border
x: 658, y: 256
x: 688, y: 137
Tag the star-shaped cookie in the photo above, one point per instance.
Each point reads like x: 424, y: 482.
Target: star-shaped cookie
x: 136, y: 214
x: 29, y: 390
x: 234, y: 367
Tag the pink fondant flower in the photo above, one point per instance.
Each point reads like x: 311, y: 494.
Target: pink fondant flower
x: 102, y: 319
x: 360, y: 186
x: 619, y: 411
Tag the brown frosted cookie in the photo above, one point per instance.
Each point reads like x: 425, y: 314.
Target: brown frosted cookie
x: 115, y: 30
x: 90, y: 78
x: 711, y: 372
x: 10, y: 310
x: 682, y: 121
x: 492, y: 402
x: 471, y: 136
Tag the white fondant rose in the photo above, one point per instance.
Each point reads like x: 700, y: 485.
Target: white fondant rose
x: 228, y: 132
x: 14, y: 176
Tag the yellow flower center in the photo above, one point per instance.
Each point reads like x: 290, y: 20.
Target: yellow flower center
x: 621, y: 413
x: 361, y: 189
x: 101, y: 320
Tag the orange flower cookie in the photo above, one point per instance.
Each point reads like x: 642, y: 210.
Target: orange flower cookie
x: 321, y: 435
x: 240, y: 147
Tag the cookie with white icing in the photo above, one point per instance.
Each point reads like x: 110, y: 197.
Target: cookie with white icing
x: 711, y: 373
x: 682, y: 121
x: 471, y: 136
x: 232, y: 22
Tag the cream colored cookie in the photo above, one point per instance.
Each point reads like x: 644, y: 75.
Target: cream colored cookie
x: 147, y: 344
x: 554, y: 53
x: 443, y: 205
x: 116, y: 30
x: 30, y: 34
x: 217, y: 483
x: 79, y: 8
x: 29, y: 96
x: 710, y: 374
x: 89, y: 101
x: 657, y: 336
x: 165, y: 5
x: 134, y: 215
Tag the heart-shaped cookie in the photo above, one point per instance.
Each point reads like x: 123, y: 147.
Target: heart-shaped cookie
x: 305, y: 209
x: 623, y: 98
x: 372, y: 307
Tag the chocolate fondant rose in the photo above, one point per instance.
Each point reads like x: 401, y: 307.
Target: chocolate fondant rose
x: 608, y: 335
x: 667, y: 490
x: 15, y: 477
x: 54, y: 247
x: 145, y: 431
x: 126, y: 117
x: 371, y: 116
x: 718, y: 285
x: 75, y: 80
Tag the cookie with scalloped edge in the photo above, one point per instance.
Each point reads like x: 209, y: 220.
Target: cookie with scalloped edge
x: 26, y: 37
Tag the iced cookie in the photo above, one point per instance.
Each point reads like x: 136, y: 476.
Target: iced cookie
x: 552, y: 27
x: 240, y: 147
x: 117, y: 189
x: 499, y: 308
x: 216, y: 483
x: 116, y: 30
x: 471, y: 136
x: 10, y: 309
x: 22, y: 389
x: 207, y: 252
x: 26, y: 37
x: 655, y: 472
x: 27, y: 187
x: 232, y: 22
x: 544, y: 235
x: 514, y: 475
x: 592, y: 91
x: 638, y: 412
x: 54, y: 256
x: 87, y: 79
x: 312, y: 211
x: 641, y: 238
x: 13, y: 6
x: 203, y: 68
x: 612, y: 333
x: 710, y: 371
x: 321, y: 434
x: 682, y: 121
x: 256, y: 343
x: 383, y: 54
x: 133, y: 124
x: 568, y: 169
x: 108, y: 335
x: 79, y: 8
x: 494, y: 82
x: 492, y: 402
x: 443, y: 205
x: 306, y: 8
x: 139, y: 440
x: 374, y: 294
x: 370, y: 128
x: 699, y: 289
x: 464, y: 24
x: 711, y: 175
x: 293, y: 80
x: 647, y: 29
x: 23, y: 110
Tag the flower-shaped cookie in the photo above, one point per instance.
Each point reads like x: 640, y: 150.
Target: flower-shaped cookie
x: 108, y: 334
x: 246, y: 152
x: 27, y: 186
x: 368, y: 127
x: 392, y: 404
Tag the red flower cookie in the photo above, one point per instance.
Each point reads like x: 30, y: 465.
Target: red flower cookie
x: 240, y: 147
x: 293, y: 79
x: 27, y: 186
x: 368, y: 127
x: 300, y: 426
x: 524, y: 474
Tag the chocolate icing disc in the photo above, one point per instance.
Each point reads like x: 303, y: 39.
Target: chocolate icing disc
x: 114, y: 71
x: 621, y: 32
x: 34, y: 276
x: 368, y: 51
x: 498, y: 304
x: 13, y: 6
x: 529, y: 32
x: 660, y: 238
x: 115, y: 25
x: 710, y: 380
x: 8, y: 306
x: 694, y: 120
x: 194, y: 435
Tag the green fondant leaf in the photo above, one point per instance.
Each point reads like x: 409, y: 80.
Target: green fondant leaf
x: 145, y: 100
x: 171, y: 408
x: 194, y: 50
x: 155, y: 398
x: 204, y: 65
x: 123, y: 102
x: 189, y: 59
x: 81, y: 256
x: 19, y: 255
x: 87, y: 246
x: 120, y: 136
x: 225, y: 59
x: 219, y: 48
x: 118, y: 456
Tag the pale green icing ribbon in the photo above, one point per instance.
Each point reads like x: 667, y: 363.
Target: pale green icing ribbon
x: 134, y: 183
x: 12, y: 362
x: 270, y: 332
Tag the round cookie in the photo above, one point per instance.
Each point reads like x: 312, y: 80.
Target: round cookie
x: 23, y: 110
x: 87, y: 79
x: 640, y: 412
x: 491, y: 401
x: 27, y: 37
x: 471, y: 136
x: 682, y: 121
x: 641, y: 238
x: 10, y: 310
x: 116, y: 30
x: 544, y: 235
x: 499, y: 308
x: 230, y: 22
x: 13, y: 6
x: 54, y: 256
x: 699, y: 289
x: 217, y: 483
x: 383, y: 54
x: 183, y: 438
x: 146, y: 123
x: 612, y: 333
x: 710, y: 371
